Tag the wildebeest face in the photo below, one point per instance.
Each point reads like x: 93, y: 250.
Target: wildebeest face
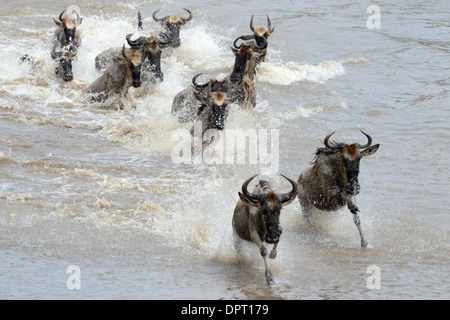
x: 351, y: 158
x: 269, y: 206
x: 242, y: 57
x: 219, y: 110
x: 134, y: 61
x: 347, y: 158
x: 172, y: 26
x: 135, y: 74
x: 271, y: 209
x: 173, y: 29
x: 69, y: 25
x: 69, y: 34
x: 261, y: 34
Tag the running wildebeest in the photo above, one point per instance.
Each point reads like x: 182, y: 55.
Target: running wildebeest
x: 172, y: 26
x: 331, y: 180
x: 260, y: 35
x: 256, y: 218
x: 119, y: 77
x: 213, y: 111
x: 188, y: 103
x: 66, y: 40
x: 151, y: 46
x: 247, y: 59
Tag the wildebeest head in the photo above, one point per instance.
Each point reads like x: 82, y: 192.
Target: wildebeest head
x: 172, y: 26
x: 69, y: 25
x: 247, y: 57
x: 64, y: 59
x: 269, y: 206
x: 202, y: 90
x: 152, y: 51
x: 346, y: 159
x: 134, y: 59
x: 260, y: 34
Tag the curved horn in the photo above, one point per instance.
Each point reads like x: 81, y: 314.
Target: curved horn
x: 237, y: 39
x: 124, y: 53
x: 287, y: 198
x: 154, y: 16
x: 269, y: 24
x: 53, y: 53
x: 196, y: 85
x: 165, y: 36
x: 209, y: 92
x: 139, y: 21
x: 325, y: 142
x: 250, y: 196
x: 251, y: 24
x: 60, y: 19
x: 249, y: 37
x: 58, y: 23
x: 188, y: 18
x: 79, y: 19
x: 138, y: 43
x: 133, y: 43
x: 369, y: 141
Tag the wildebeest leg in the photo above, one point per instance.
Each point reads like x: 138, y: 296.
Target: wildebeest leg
x: 357, y: 222
x: 354, y: 210
x: 273, y: 252
x: 125, y: 94
x: 263, y: 250
x: 237, y: 241
x: 305, y: 204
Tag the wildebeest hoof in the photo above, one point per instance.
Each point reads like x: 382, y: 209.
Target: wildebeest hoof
x: 269, y: 278
x: 364, y: 244
x: 273, y: 254
x: 354, y: 209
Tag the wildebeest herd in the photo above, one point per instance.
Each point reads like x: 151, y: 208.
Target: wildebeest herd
x: 329, y: 183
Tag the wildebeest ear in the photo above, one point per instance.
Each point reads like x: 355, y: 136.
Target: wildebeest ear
x: 58, y: 23
x: 245, y: 200
x: 370, y: 150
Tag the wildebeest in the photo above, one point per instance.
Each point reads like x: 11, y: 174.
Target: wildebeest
x: 247, y: 59
x: 260, y: 34
x: 172, y: 26
x: 331, y: 180
x: 189, y: 102
x: 119, y: 77
x: 66, y: 40
x: 256, y: 218
x: 151, y: 47
x: 67, y: 32
x: 213, y: 111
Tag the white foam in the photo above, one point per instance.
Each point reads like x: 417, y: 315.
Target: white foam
x: 291, y: 72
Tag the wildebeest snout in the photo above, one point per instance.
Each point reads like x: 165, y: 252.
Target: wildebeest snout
x: 273, y: 235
